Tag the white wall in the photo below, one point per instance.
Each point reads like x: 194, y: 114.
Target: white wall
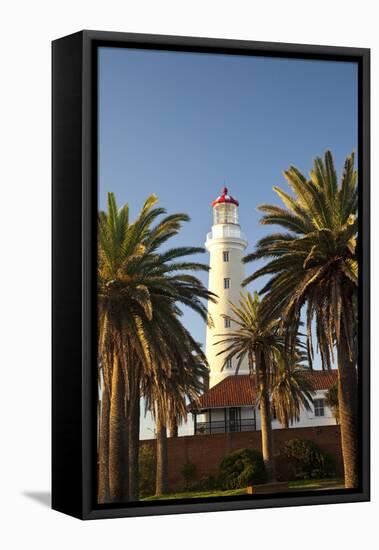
x: 308, y: 418
x: 27, y: 28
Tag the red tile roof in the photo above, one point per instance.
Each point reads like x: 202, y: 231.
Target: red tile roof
x: 323, y: 379
x: 239, y: 391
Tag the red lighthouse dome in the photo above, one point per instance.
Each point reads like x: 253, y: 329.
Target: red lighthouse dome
x: 225, y: 209
x: 224, y: 197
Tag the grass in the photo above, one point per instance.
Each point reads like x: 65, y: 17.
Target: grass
x: 315, y: 483
x: 292, y: 485
x: 199, y: 494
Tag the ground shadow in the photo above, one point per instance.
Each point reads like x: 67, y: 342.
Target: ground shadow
x: 42, y: 497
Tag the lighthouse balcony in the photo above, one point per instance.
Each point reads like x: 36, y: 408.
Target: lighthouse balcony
x: 222, y: 231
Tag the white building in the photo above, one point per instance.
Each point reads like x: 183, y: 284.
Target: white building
x: 229, y: 404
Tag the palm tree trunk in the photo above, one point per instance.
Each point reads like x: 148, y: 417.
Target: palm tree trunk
x: 103, y: 469
x: 174, y: 427
x: 118, y: 437
x: 348, y: 411
x: 161, y: 480
x: 266, y: 428
x: 134, y: 427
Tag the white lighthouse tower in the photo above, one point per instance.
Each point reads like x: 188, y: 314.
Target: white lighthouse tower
x: 226, y: 244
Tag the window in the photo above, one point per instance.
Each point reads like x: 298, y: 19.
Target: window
x: 228, y: 364
x: 319, y: 407
x: 227, y: 322
x: 226, y: 283
x: 234, y: 419
x: 225, y: 212
x: 225, y: 255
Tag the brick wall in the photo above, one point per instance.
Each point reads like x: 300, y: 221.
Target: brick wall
x: 207, y: 451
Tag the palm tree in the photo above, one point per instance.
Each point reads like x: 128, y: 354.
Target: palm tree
x: 313, y: 264
x: 260, y: 340
x: 173, y: 425
x: 103, y: 445
x: 138, y: 287
x: 291, y: 391
x: 168, y: 391
x: 331, y: 401
x: 134, y: 429
x: 112, y: 443
x: 191, y: 379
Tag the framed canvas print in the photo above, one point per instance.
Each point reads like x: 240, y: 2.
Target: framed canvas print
x: 210, y: 275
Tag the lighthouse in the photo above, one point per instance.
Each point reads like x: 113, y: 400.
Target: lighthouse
x: 225, y: 244
x: 231, y: 402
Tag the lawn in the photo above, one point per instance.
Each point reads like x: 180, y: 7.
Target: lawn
x: 317, y: 484
x: 199, y: 494
x: 336, y: 483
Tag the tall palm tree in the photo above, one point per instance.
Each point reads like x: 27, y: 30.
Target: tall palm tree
x: 291, y: 391
x: 103, y: 444
x: 168, y: 392
x: 257, y: 338
x: 137, y: 288
x: 133, y: 419
x: 313, y: 264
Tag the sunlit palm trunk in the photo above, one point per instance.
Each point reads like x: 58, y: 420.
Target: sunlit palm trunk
x: 266, y: 428
x: 348, y: 411
x: 134, y: 430
x: 161, y: 481
x: 103, y: 471
x: 118, y: 438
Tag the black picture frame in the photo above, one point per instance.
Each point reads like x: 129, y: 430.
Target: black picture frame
x: 74, y: 204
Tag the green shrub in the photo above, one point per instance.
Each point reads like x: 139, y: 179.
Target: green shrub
x: 310, y: 461
x: 188, y: 472
x: 242, y: 468
x: 146, y: 471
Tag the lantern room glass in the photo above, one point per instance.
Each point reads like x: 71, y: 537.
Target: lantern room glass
x: 225, y: 212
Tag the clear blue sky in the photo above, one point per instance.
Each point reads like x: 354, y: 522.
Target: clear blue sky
x: 181, y: 124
